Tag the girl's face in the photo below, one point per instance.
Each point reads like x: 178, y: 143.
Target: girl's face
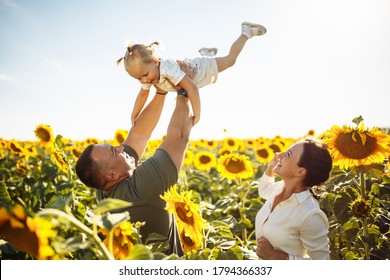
x: 146, y: 73
x: 288, y: 161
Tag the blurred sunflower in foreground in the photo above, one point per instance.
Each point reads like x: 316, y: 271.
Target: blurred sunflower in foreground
x: 356, y: 146
x: 188, y: 217
x: 122, y: 242
x: 27, y: 234
x: 235, y: 166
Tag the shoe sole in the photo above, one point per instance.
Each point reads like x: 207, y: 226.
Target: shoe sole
x: 262, y: 29
x: 213, y: 50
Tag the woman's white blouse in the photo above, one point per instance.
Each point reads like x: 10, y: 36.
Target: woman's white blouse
x: 297, y: 226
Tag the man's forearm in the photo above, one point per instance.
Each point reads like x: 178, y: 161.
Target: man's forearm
x: 140, y: 134
x: 179, y: 124
x: 149, y: 117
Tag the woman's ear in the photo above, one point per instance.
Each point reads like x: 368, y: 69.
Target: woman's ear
x: 301, y: 172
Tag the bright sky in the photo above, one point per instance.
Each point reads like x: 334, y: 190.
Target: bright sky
x: 322, y: 62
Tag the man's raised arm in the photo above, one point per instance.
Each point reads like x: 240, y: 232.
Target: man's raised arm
x: 178, y: 132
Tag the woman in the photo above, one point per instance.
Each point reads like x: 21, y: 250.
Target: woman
x: 291, y: 224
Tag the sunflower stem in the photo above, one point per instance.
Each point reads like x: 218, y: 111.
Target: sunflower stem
x: 242, y: 213
x: 111, y: 241
x: 186, y: 181
x: 80, y: 226
x: 362, y: 185
x: 365, y: 224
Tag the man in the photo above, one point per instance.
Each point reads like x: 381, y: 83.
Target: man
x: 113, y: 171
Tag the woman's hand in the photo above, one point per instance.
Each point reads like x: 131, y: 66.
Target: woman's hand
x: 266, y: 251
x: 270, y: 168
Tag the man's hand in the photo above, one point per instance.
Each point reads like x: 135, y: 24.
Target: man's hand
x: 186, y: 68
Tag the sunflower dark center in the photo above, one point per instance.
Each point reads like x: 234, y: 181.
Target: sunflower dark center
x: 263, y: 153
x: 352, y: 149
x: 361, y: 208
x: 187, y: 240
x: 275, y: 148
x: 120, y: 138
x: 43, y: 134
x: 182, y: 210
x: 235, y: 166
x: 231, y: 143
x: 204, y: 159
x: 15, y: 148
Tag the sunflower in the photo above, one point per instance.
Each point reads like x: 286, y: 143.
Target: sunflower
x: 152, y: 147
x: 210, y: 144
x: 190, y: 242
x: 311, y: 132
x: 263, y: 154
x: 44, y: 134
x: 262, y: 141
x: 276, y: 146
x: 231, y: 144
x: 250, y: 143
x: 189, y: 158
x: 360, y: 208
x: 356, y: 146
x: 59, y: 159
x: 26, y: 233
x: 15, y: 147
x: 235, y: 166
x: 89, y: 141
x: 196, y: 145
x: 187, y: 212
x: 224, y: 151
x: 205, y: 161
x: 120, y: 136
x: 122, y: 243
x: 75, y: 152
x: 43, y: 230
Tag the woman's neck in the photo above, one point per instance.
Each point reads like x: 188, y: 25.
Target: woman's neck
x: 291, y: 187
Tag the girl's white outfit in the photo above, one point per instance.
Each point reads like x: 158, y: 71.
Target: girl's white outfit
x: 296, y: 226
x: 205, y: 73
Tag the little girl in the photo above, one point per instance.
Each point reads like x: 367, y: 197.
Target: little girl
x: 165, y: 75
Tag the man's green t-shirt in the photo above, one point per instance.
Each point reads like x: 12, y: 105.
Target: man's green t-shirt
x: 150, y: 179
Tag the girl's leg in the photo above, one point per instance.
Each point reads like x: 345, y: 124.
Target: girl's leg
x: 225, y: 62
x: 248, y: 31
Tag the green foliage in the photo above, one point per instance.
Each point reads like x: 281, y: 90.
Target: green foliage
x: 352, y: 234
x: 32, y: 179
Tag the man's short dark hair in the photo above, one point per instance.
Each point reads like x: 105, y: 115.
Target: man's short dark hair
x: 88, y: 170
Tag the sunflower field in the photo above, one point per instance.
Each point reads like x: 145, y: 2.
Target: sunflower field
x: 47, y: 213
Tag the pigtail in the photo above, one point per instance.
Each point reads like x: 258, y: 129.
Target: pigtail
x: 129, y: 51
x: 119, y: 61
x: 154, y: 43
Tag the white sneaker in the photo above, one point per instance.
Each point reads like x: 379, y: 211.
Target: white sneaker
x: 252, y: 29
x: 208, y: 51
